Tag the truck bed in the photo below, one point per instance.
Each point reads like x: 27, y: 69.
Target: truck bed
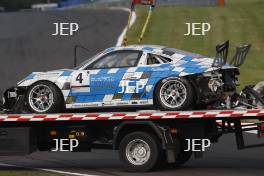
x: 148, y: 115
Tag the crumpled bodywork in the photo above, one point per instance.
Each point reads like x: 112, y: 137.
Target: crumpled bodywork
x: 259, y: 88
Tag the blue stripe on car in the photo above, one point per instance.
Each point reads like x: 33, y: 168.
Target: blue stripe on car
x: 29, y: 77
x: 66, y: 73
x: 127, y: 96
x: 147, y: 48
x: 80, y: 99
x: 109, y: 50
x: 99, y: 98
x: 187, y: 58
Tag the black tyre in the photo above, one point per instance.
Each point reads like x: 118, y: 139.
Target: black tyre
x: 140, y: 152
x: 44, y: 97
x: 174, y: 94
x: 182, y: 158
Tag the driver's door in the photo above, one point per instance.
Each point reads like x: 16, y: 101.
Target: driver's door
x: 102, y: 77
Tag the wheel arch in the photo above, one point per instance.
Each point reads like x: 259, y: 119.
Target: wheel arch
x: 128, y: 127
x: 47, y: 81
x: 188, y: 78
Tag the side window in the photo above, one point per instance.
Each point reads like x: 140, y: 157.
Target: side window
x: 155, y: 59
x: 165, y: 59
x: 152, y: 60
x: 117, y: 59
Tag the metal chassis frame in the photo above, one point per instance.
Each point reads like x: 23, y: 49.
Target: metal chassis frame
x: 237, y: 129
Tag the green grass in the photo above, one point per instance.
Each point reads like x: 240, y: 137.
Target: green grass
x: 241, y: 22
x: 25, y: 173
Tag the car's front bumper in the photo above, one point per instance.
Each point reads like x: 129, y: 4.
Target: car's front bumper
x: 11, y: 98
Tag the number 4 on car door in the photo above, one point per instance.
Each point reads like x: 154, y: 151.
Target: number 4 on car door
x: 80, y: 81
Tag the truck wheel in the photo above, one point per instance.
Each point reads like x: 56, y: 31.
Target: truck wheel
x: 173, y: 94
x: 43, y: 97
x: 139, y: 152
x: 183, y: 156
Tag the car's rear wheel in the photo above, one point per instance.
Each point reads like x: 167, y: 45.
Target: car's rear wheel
x: 174, y: 94
x: 44, y: 97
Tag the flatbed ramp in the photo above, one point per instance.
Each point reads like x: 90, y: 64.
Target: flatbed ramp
x: 155, y: 115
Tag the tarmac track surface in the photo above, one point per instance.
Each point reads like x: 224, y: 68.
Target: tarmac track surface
x: 27, y: 44
x: 220, y: 160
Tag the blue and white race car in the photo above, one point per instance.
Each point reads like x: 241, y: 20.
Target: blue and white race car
x: 137, y: 75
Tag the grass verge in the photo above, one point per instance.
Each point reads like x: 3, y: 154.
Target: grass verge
x: 25, y: 173
x: 241, y: 22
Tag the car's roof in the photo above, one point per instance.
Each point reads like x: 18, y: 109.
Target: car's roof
x: 137, y: 47
x: 155, y: 49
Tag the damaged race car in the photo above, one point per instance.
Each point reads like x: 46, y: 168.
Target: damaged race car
x: 137, y: 75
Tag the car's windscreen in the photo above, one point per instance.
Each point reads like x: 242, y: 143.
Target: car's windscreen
x: 117, y: 59
x: 87, y: 61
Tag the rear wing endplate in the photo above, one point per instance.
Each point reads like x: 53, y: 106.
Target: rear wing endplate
x: 221, y: 54
x: 221, y: 57
x: 240, y: 56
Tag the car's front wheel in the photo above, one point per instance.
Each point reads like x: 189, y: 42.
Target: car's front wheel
x: 44, y: 97
x: 174, y: 94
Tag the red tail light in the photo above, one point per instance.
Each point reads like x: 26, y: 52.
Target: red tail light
x: 261, y: 130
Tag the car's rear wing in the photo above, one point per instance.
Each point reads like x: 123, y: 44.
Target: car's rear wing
x: 240, y: 56
x: 221, y: 54
x: 221, y: 57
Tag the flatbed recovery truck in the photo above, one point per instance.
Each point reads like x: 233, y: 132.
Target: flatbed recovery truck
x: 144, y: 139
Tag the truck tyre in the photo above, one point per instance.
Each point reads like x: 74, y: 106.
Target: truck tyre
x: 44, y: 97
x: 173, y: 94
x: 182, y: 158
x: 140, y: 152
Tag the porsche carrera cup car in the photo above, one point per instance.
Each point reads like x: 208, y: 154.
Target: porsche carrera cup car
x: 138, y: 75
